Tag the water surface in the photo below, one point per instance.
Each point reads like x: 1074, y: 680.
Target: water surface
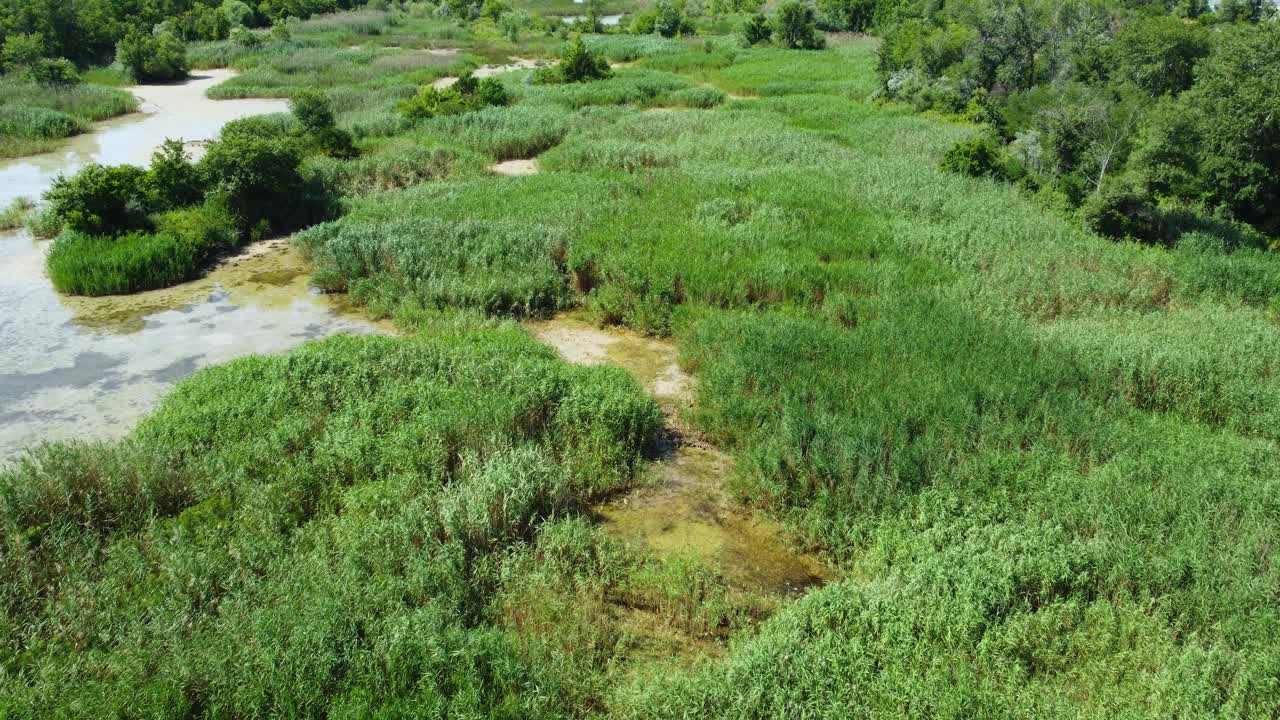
x: 89, y: 368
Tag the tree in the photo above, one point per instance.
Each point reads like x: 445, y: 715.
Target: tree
x: 1159, y: 54
x: 1010, y: 34
x: 796, y: 26
x: 172, y: 181
x: 153, y: 58
x: 1236, y: 108
x: 756, y: 30
x: 100, y: 200
x: 853, y: 15
x: 22, y: 50
x: 670, y: 21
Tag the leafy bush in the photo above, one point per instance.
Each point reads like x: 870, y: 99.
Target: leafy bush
x: 797, y: 27
x: 258, y: 180
x: 976, y: 157
x: 153, y: 58
x: 577, y: 64
x: 172, y: 181
x: 100, y: 200
x: 59, y: 73
x: 851, y: 15
x: 314, y: 112
x: 465, y: 95
x: 1123, y: 211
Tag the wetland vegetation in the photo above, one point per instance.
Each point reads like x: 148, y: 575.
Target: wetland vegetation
x: 1010, y: 465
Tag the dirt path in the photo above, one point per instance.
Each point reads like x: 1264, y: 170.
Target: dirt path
x: 686, y: 508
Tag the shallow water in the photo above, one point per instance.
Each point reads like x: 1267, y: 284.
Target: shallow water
x: 89, y: 368
x: 604, y: 19
x: 686, y: 508
x: 176, y: 110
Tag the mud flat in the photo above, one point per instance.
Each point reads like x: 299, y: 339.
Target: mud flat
x: 685, y: 507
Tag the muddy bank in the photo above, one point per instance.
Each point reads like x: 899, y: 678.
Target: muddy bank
x: 685, y: 507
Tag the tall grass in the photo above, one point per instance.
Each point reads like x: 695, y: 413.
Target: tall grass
x: 179, y: 249
x: 313, y: 534
x: 32, y: 118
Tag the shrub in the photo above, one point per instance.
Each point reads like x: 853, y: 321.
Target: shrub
x: 172, y: 181
x: 1121, y: 211
x: 756, y: 30
x: 100, y: 200
x: 153, y: 58
x: 644, y: 23
x: 257, y: 179
x: 246, y: 38
x: 58, y: 73
x: 976, y: 157
x: 577, y: 64
x: 797, y: 27
x: 465, y: 95
x: 852, y: 15
x: 315, y: 114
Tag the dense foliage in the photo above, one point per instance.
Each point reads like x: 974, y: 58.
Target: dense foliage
x: 87, y: 31
x: 1178, y: 105
x: 577, y: 64
x: 1039, y: 463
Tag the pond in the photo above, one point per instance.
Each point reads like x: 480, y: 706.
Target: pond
x: 89, y: 368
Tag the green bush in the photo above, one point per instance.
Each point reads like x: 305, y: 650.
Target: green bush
x: 314, y: 113
x: 172, y: 181
x: 153, y: 58
x: 465, y: 95
x: 1124, y: 211
x: 100, y: 200
x: 577, y: 64
x: 258, y: 180
x: 976, y: 157
x: 670, y: 21
x: 59, y: 73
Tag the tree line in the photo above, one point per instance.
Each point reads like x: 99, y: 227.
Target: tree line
x: 1145, y: 115
x: 87, y: 32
